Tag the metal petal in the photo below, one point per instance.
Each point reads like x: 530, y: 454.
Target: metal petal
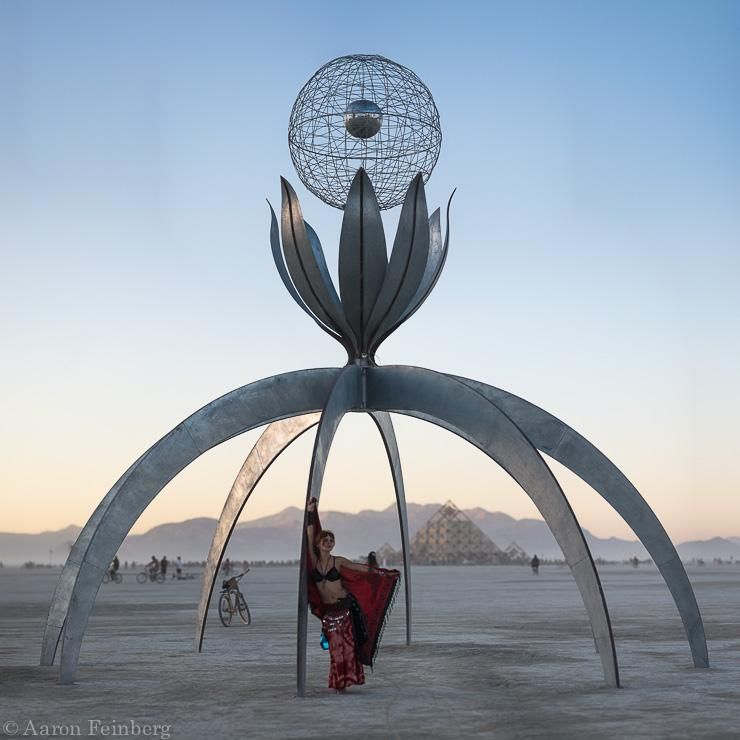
x: 318, y: 253
x: 564, y: 444
x: 305, y: 270
x: 362, y: 255
x: 455, y: 406
x: 253, y: 405
x: 435, y: 265
x: 277, y: 256
x: 407, y: 263
x: 272, y: 442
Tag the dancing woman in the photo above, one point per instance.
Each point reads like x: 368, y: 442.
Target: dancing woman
x: 352, y: 601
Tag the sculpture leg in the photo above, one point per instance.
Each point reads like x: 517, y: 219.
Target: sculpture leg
x: 385, y: 427
x: 273, y: 441
x: 63, y: 592
x: 569, y: 448
x: 458, y: 408
x: 345, y: 395
x: 253, y: 405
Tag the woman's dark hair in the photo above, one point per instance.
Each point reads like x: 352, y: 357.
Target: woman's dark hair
x: 324, y: 533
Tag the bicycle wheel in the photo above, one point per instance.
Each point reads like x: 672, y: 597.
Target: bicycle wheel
x: 118, y: 578
x: 141, y: 577
x: 106, y: 578
x: 241, y: 603
x: 160, y: 578
x: 224, y: 610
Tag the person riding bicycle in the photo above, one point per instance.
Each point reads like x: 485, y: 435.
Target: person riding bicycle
x: 153, y: 566
x: 114, y: 566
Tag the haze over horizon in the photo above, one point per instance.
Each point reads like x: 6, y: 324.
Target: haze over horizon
x: 593, y: 267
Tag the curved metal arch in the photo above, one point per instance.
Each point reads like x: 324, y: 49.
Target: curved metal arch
x: 274, y: 440
x: 555, y: 438
x: 345, y: 396
x: 253, y: 405
x: 65, y: 585
x: 457, y: 407
x: 384, y: 423
x: 271, y: 444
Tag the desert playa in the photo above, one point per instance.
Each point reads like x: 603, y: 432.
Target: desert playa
x: 503, y: 654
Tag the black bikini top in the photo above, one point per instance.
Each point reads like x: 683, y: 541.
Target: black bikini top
x: 331, y: 575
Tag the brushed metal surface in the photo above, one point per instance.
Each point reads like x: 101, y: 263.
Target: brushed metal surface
x: 272, y: 442
x: 305, y: 268
x: 407, y: 263
x: 460, y: 409
x: 65, y: 585
x: 435, y: 264
x: 385, y: 426
x: 277, y: 256
x: 363, y: 260
x: 555, y: 438
x: 262, y: 402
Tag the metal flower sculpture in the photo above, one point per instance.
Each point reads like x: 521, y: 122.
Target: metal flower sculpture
x: 376, y: 295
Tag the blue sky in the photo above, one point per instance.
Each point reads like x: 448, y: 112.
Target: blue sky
x: 594, y: 263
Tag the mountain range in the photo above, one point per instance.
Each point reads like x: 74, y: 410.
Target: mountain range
x: 275, y: 537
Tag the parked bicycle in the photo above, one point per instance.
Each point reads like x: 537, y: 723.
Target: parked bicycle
x: 232, y: 601
x: 145, y: 575
x: 112, y: 575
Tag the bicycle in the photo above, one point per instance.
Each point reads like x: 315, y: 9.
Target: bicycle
x: 148, y: 575
x: 232, y: 601
x: 112, y: 575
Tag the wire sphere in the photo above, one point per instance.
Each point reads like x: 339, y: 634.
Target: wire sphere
x: 365, y: 111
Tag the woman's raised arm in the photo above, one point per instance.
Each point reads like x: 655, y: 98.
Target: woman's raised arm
x: 352, y: 565
x: 311, y: 529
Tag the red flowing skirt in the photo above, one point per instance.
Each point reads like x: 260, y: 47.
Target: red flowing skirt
x: 345, y: 668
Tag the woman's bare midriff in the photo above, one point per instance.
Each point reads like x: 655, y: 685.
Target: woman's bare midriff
x: 330, y: 592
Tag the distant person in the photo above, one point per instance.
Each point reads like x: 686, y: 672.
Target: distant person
x: 635, y: 562
x: 114, y: 567
x: 163, y: 565
x: 125, y: 564
x: 372, y: 559
x: 153, y: 566
x: 535, y: 563
x: 226, y: 567
x: 178, y: 568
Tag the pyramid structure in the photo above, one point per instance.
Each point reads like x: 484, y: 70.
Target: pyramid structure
x: 517, y: 554
x: 450, y: 537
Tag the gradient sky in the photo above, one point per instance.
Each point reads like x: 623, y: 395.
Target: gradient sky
x: 594, y: 264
